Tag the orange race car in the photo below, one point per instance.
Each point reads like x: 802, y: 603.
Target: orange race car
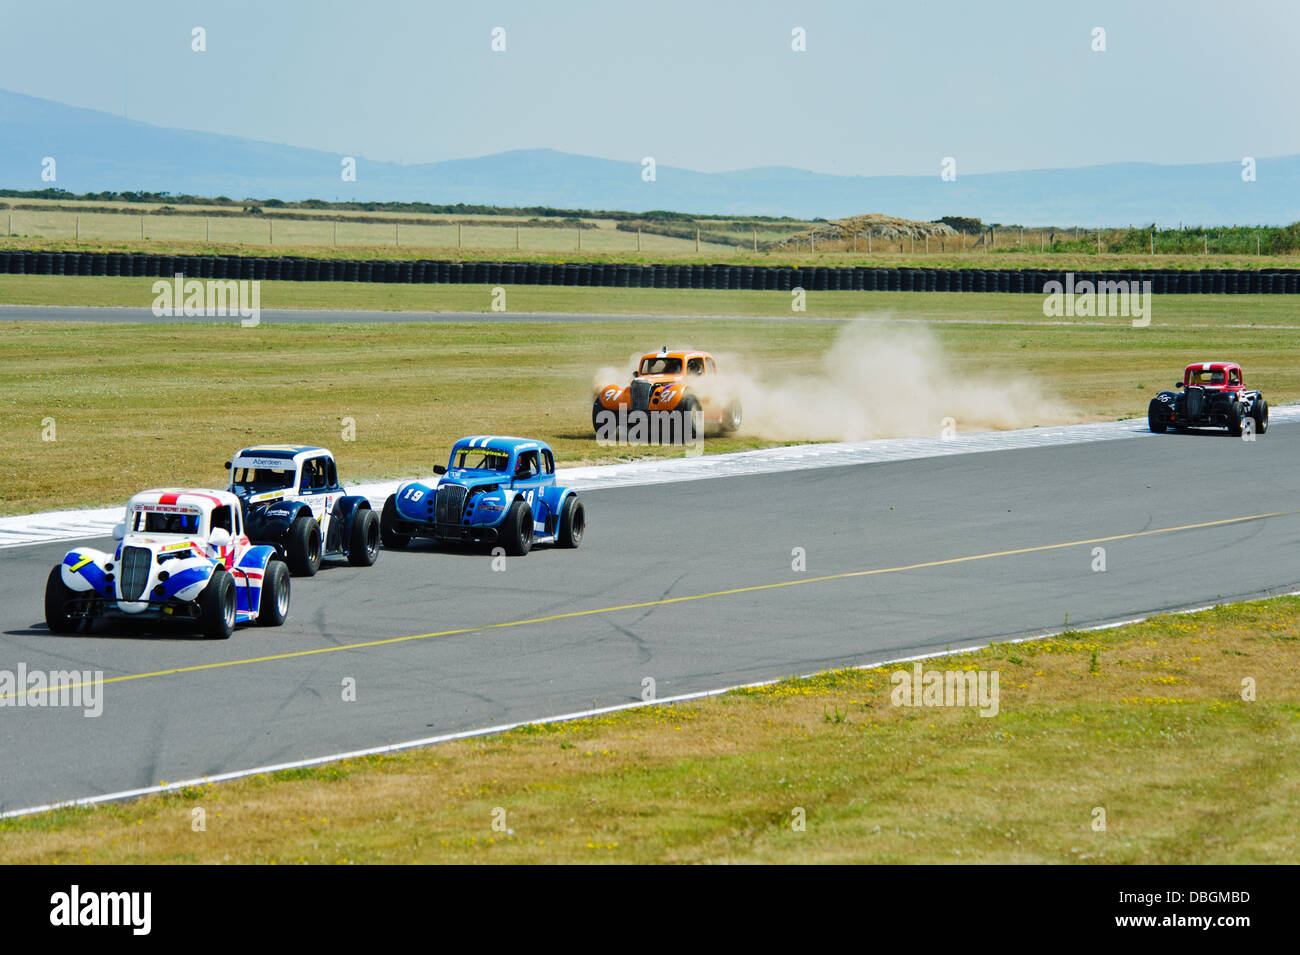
x: 678, y: 382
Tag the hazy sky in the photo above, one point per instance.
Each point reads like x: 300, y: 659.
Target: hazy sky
x: 883, y: 88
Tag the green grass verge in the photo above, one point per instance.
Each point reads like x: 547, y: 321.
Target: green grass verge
x: 1220, y: 311
x: 136, y: 406
x: 1144, y: 727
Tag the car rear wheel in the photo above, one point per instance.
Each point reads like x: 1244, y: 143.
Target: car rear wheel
x: 731, y: 418
x: 57, y: 595
x: 388, y: 527
x: 363, y: 543
x: 274, y: 606
x: 573, y: 521
x: 217, y: 606
x: 1260, y: 413
x: 1157, y: 416
x: 517, y: 529
x: 304, y: 546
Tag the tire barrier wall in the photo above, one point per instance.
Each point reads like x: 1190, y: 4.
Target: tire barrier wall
x: 610, y: 275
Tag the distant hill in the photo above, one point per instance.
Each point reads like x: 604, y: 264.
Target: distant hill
x: 98, y: 151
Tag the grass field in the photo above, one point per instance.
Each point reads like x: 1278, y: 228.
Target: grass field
x: 1143, y: 729
x: 136, y: 406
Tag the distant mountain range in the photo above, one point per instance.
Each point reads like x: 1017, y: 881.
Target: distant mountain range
x: 97, y: 151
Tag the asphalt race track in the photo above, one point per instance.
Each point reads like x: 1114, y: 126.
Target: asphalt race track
x: 1007, y: 510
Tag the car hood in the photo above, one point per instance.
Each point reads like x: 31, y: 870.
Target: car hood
x: 660, y: 379
x: 250, y: 496
x: 474, y: 479
x: 162, y: 543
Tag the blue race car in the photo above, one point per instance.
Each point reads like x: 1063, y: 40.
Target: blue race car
x: 494, y: 489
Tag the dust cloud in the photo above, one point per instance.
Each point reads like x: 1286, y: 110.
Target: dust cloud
x: 877, y: 380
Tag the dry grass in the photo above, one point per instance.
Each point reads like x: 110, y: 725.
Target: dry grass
x: 1146, y: 723
x: 495, y: 241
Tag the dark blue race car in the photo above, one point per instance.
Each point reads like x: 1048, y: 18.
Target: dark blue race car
x: 494, y: 489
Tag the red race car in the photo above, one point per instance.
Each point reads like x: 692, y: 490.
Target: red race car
x: 1212, y: 394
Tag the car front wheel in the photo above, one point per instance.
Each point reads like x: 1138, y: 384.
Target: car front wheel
x: 517, y: 529
x: 304, y: 546
x: 57, y: 595
x: 217, y: 606
x: 1157, y: 416
x: 1234, y: 419
x: 388, y: 527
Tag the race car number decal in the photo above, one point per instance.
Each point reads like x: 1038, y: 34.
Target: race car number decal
x: 413, y: 494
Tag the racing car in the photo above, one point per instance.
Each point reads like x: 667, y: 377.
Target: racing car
x: 182, y: 555
x: 680, y: 382
x: 293, y: 501
x: 494, y: 489
x: 1213, y: 395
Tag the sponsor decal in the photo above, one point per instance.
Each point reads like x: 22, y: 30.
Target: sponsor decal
x: 274, y: 464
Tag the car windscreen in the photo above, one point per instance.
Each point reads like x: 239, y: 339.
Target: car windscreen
x: 661, y: 366
x: 481, y: 460
x: 264, y: 479
x: 1202, y: 377
x: 169, y: 522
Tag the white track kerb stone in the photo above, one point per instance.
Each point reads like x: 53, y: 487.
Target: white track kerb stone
x: 28, y: 529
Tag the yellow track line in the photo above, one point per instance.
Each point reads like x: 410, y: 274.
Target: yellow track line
x: 665, y: 601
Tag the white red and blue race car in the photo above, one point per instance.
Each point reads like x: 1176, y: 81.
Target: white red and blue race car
x: 494, y: 489
x: 182, y: 556
x: 294, y: 502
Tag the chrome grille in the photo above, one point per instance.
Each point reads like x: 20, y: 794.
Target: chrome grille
x: 641, y: 394
x: 136, y: 562
x: 449, y: 505
x: 1195, y: 402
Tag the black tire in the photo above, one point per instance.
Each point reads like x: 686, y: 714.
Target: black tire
x: 687, y: 409
x: 1157, y: 416
x: 1234, y: 419
x: 363, y: 541
x: 388, y: 527
x: 274, y: 608
x: 303, y: 546
x: 217, y: 606
x: 573, y: 521
x: 1259, y: 411
x: 732, y: 417
x: 517, y: 529
x: 596, y: 409
x: 57, y: 595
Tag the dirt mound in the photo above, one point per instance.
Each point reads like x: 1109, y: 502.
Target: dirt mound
x: 840, y: 232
